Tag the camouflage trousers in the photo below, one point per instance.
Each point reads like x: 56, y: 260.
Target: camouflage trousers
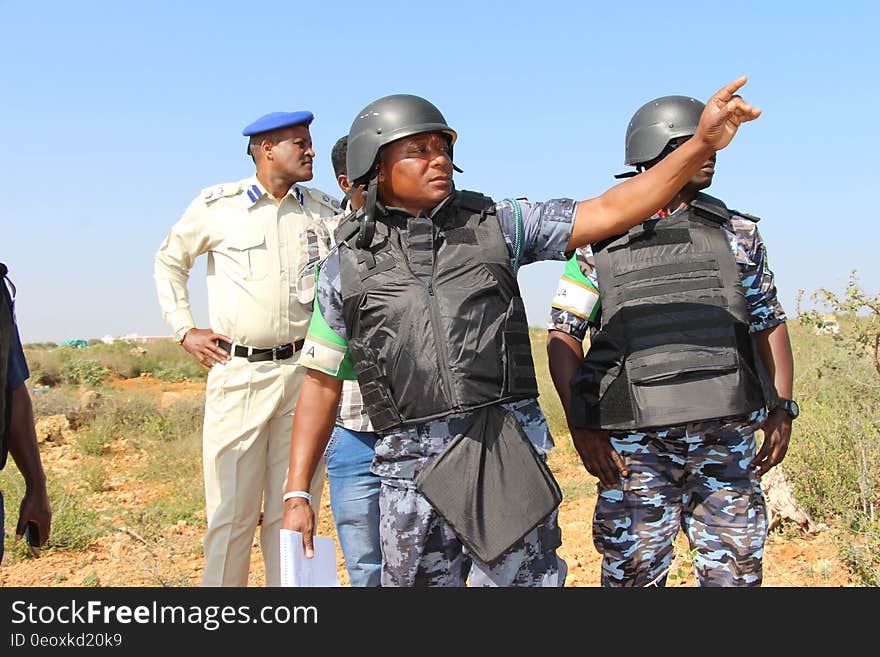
x: 419, y: 547
x: 695, y: 477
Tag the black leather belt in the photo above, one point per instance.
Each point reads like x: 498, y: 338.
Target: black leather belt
x: 257, y: 354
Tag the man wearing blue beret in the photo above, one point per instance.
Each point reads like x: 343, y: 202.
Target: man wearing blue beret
x: 253, y: 232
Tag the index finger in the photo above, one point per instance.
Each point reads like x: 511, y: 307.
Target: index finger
x: 726, y: 92
x: 308, y: 543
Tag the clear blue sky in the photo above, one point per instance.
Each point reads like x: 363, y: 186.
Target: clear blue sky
x: 115, y: 114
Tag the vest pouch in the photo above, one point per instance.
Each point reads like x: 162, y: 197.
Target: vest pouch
x: 690, y: 384
x: 686, y: 362
x: 374, y: 388
x: 490, y: 484
x: 519, y: 368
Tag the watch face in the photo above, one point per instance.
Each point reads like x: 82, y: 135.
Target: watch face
x: 790, y: 406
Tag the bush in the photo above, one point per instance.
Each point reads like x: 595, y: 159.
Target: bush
x: 61, y: 400
x: 90, y: 366
x: 45, y: 366
x: 167, y: 361
x: 84, y: 372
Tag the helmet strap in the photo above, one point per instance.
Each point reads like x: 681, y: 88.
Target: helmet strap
x: 368, y: 217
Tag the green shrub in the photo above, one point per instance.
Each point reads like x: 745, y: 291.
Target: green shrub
x: 91, y: 580
x: 93, y: 475
x: 84, y: 372
x: 91, y: 441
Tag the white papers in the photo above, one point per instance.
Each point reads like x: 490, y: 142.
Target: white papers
x: 296, y: 570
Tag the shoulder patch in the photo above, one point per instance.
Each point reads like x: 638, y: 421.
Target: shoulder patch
x: 745, y: 215
x: 323, y: 198
x: 214, y: 192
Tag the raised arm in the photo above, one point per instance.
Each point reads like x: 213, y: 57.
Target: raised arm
x: 631, y: 202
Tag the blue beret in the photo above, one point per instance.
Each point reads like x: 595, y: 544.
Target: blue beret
x: 277, y: 120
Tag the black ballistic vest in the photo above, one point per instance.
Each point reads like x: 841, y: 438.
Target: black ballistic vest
x: 6, y: 327
x: 674, y: 345
x: 433, y: 313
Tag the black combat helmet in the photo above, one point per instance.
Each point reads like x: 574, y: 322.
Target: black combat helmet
x: 386, y: 120
x: 656, y: 123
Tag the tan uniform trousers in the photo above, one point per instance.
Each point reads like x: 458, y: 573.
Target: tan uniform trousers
x: 246, y: 450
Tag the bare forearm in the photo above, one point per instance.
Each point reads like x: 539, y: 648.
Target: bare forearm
x: 631, y: 202
x: 23, y: 439
x: 774, y: 350
x: 564, y: 354
x: 313, y: 421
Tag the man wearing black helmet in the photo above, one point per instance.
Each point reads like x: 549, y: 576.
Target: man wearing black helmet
x: 664, y: 408
x: 420, y: 302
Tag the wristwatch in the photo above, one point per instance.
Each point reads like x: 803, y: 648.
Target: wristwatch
x: 789, y: 406
x: 181, y: 334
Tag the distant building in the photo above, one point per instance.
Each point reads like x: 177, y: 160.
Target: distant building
x: 143, y: 339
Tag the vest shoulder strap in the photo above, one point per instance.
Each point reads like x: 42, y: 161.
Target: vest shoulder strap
x: 711, y: 208
x: 348, y: 227
x: 745, y: 215
x: 474, y: 201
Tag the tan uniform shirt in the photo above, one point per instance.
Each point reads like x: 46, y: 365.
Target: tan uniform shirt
x: 257, y: 251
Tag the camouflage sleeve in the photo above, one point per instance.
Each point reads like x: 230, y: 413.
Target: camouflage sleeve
x: 575, y: 307
x: 326, y: 346
x: 545, y: 228
x: 329, y: 294
x: 756, y: 276
x: 315, y: 244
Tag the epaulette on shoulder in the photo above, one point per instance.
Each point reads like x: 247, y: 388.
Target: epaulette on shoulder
x: 745, y: 215
x: 214, y: 192
x: 323, y: 198
x: 473, y: 200
x: 347, y: 228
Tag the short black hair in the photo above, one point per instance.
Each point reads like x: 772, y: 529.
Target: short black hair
x: 338, y: 154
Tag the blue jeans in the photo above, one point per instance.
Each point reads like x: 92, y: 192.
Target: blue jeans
x: 354, y: 499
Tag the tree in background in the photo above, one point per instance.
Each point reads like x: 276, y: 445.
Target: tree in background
x: 860, y: 335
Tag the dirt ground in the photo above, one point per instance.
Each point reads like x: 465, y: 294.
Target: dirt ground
x: 124, y: 558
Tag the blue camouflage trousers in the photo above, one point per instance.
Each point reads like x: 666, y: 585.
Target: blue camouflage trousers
x: 419, y: 547
x: 695, y: 477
